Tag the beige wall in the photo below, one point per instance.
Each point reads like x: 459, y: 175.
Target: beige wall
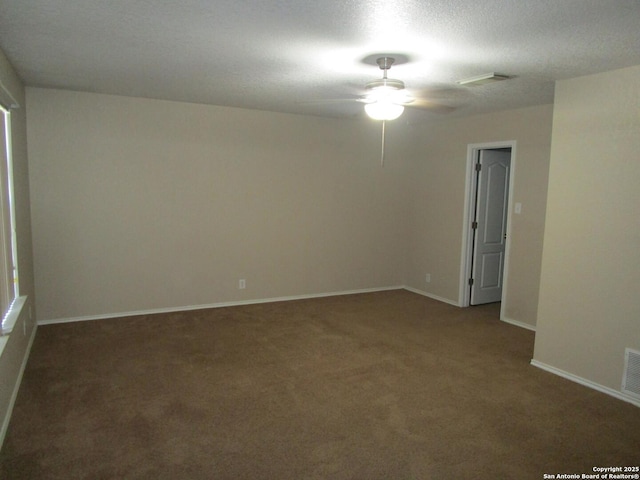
x: 438, y: 162
x: 589, y: 308
x: 143, y: 204
x: 17, y: 344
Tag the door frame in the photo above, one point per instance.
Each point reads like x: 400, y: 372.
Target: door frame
x: 473, y: 150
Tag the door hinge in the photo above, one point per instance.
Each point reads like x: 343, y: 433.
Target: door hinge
x: 471, y: 282
x: 478, y: 167
x: 474, y: 225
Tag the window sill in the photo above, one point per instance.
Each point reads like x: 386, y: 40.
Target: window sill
x: 12, y: 315
x: 10, y: 320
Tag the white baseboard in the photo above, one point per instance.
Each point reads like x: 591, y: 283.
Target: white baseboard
x: 430, y: 295
x: 585, y: 382
x: 214, y: 305
x: 519, y: 324
x: 16, y: 387
x: 262, y: 300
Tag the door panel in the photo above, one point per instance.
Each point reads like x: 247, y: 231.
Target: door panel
x: 491, y: 226
x: 491, y: 270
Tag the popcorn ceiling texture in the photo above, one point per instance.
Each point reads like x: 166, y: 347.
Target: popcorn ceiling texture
x: 276, y: 55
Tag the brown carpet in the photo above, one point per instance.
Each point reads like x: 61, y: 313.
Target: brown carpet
x: 386, y: 385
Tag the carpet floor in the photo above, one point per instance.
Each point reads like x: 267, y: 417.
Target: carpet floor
x: 387, y: 385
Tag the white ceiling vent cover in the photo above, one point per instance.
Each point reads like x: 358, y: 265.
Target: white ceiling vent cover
x: 631, y: 378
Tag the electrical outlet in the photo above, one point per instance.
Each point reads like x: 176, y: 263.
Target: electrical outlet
x: 242, y: 284
x: 427, y: 278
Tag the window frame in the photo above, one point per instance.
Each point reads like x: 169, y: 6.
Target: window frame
x: 9, y: 285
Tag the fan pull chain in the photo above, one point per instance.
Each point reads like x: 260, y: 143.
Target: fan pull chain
x: 384, y: 124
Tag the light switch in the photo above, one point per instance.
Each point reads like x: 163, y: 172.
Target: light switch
x: 518, y: 208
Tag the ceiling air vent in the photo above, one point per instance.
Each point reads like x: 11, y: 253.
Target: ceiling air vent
x: 631, y: 378
x: 482, y: 79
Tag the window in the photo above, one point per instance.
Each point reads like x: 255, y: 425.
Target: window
x: 8, y: 264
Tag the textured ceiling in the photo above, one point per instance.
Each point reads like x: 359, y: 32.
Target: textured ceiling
x: 282, y: 55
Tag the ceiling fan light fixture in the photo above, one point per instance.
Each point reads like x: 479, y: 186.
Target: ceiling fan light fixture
x: 383, y: 110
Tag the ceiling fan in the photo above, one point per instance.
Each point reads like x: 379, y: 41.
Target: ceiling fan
x: 386, y: 98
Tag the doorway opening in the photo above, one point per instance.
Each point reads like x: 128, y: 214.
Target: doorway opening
x: 486, y: 229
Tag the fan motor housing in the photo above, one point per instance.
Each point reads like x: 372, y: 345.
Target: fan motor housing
x: 386, y: 82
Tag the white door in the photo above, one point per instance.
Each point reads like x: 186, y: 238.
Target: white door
x: 490, y: 226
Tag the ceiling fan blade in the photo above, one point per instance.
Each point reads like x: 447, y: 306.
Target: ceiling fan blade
x: 319, y: 101
x: 441, y: 92
x: 424, y: 104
